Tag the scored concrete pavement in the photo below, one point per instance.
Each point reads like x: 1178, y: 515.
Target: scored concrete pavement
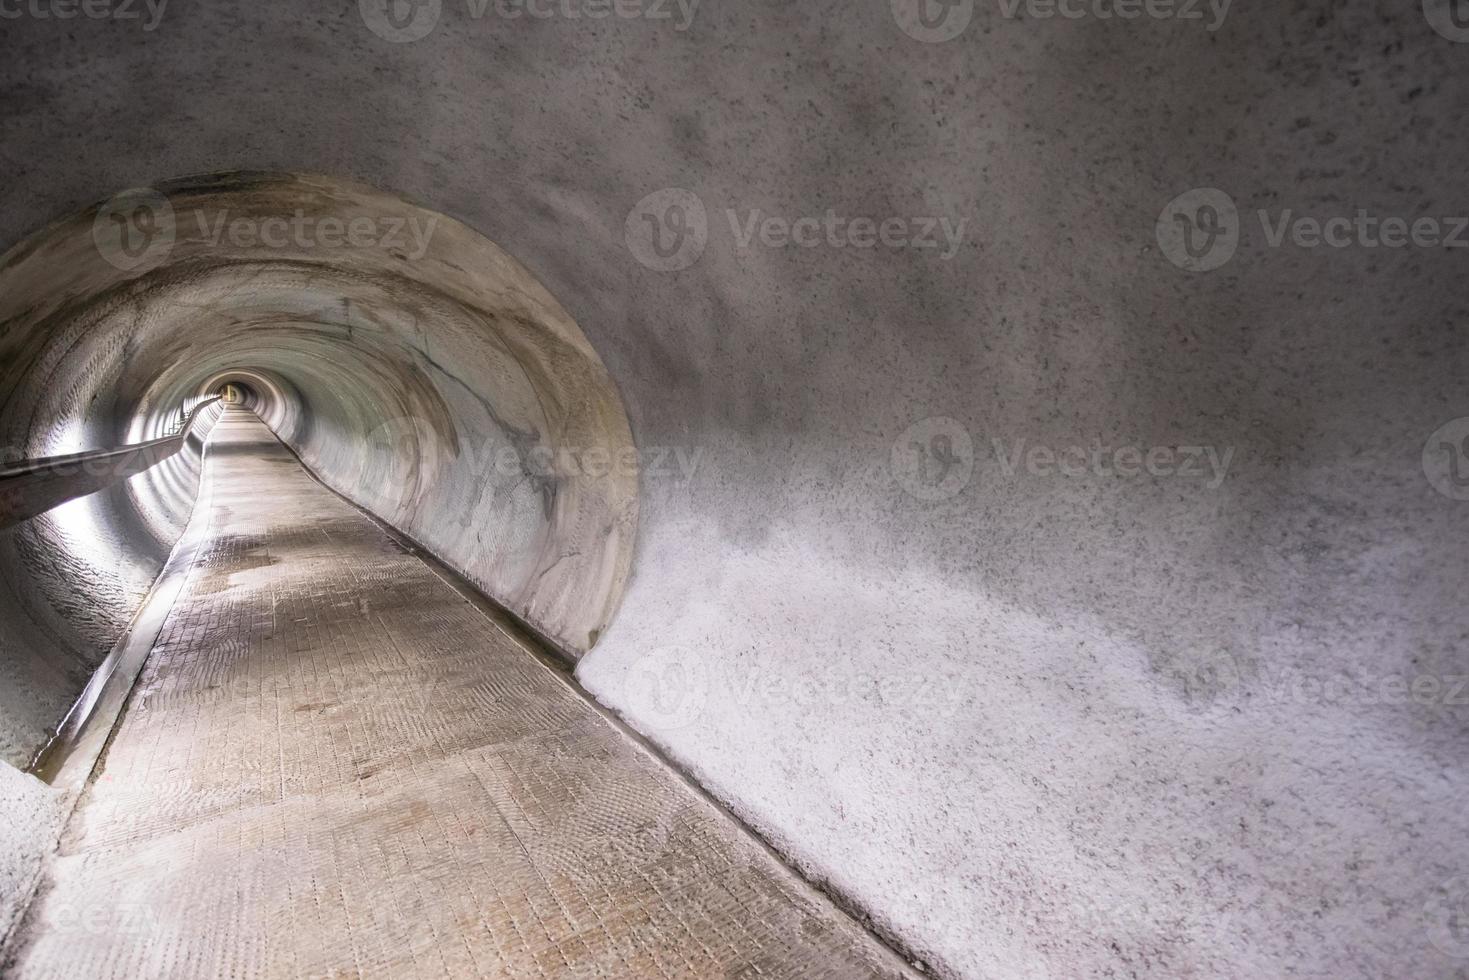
x: 334, y: 764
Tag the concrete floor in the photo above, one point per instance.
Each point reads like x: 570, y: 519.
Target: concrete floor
x: 334, y: 764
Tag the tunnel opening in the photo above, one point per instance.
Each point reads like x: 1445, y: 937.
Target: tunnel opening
x: 237, y: 393
x: 426, y: 379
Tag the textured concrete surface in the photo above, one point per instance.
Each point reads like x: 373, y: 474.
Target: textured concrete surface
x: 34, y: 814
x: 71, y: 579
x: 36, y: 486
x: 334, y: 764
x: 426, y: 375
x: 65, y: 710
x: 1054, y: 724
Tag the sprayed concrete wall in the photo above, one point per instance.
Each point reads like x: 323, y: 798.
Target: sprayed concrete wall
x: 1038, y: 707
x: 70, y: 583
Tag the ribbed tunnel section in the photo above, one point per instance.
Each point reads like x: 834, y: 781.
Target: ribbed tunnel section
x: 449, y: 395
x: 416, y: 369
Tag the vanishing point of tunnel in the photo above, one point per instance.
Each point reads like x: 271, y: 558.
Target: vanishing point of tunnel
x: 625, y: 488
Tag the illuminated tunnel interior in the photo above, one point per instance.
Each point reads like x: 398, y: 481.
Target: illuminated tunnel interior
x: 401, y: 385
x: 789, y: 495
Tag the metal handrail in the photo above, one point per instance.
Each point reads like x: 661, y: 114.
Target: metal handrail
x: 34, y: 486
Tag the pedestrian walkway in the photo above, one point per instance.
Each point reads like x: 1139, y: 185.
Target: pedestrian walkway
x: 334, y: 764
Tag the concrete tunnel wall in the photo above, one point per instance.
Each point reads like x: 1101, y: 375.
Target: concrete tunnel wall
x: 1050, y: 723
x: 452, y: 400
x: 71, y: 579
x: 70, y: 582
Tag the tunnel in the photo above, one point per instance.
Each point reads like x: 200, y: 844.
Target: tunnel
x: 747, y: 490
